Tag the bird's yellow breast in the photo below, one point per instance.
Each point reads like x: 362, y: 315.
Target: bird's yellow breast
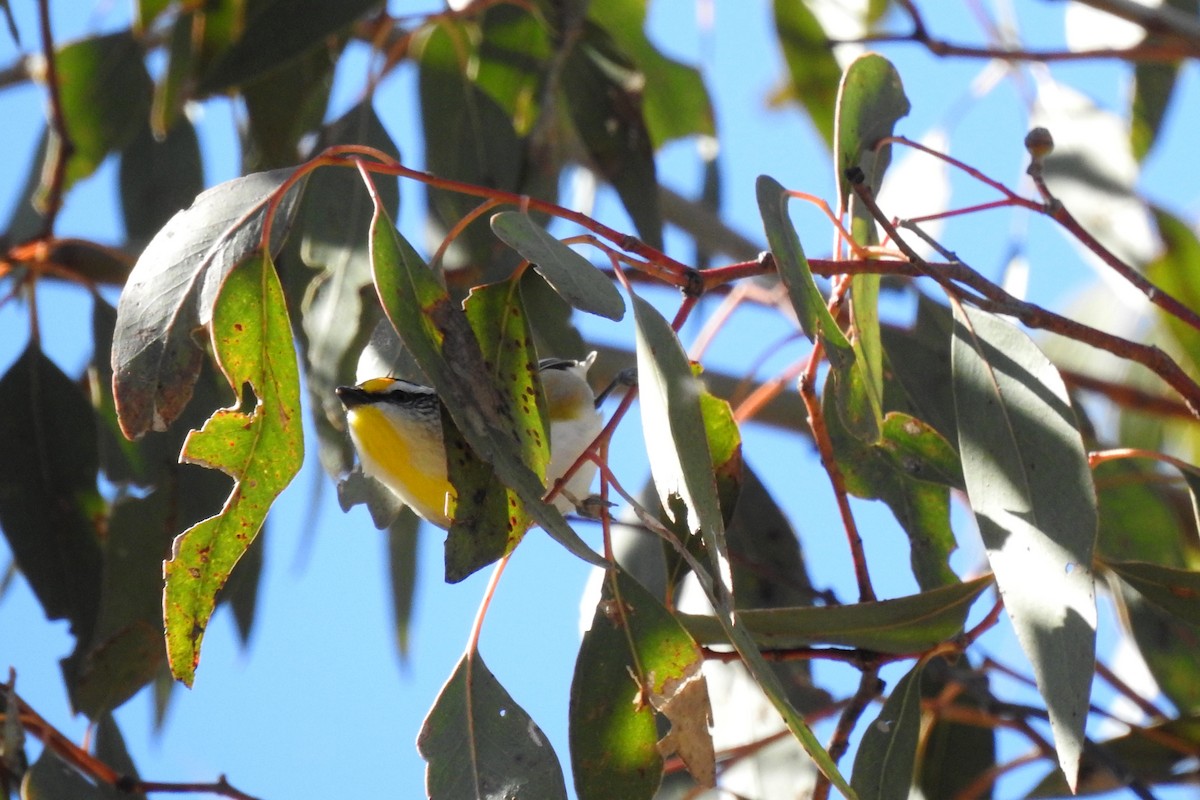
x: 407, y: 456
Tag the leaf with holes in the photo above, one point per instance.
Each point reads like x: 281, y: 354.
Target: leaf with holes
x: 479, y: 743
x: 261, y: 450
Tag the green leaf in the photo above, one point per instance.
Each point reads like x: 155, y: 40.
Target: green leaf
x: 571, y: 275
x: 1174, y: 272
x: 1156, y: 754
x: 1153, y: 86
x: 806, y: 298
x: 884, y: 764
x: 172, y: 91
x: 1176, y: 591
x: 813, y: 72
x: 903, y: 625
x: 402, y: 569
x: 284, y: 106
x: 266, y: 45
x: 480, y: 743
x: 1142, y: 518
x: 51, y: 778
x: 440, y: 339
x: 488, y: 520
x: 602, y: 94
x: 261, y: 451
x: 171, y: 293
x: 105, y: 95
x: 680, y: 461
x: 1030, y: 487
x: 909, y: 467
x: 954, y: 754
x: 918, y: 367
x: 1166, y: 643
x: 675, y: 101
x: 49, y: 505
x: 126, y: 651
x: 509, y: 62
x: 470, y: 137
x: 870, y: 101
x: 635, y: 650
x: 158, y: 178
x: 111, y: 749
x: 334, y: 222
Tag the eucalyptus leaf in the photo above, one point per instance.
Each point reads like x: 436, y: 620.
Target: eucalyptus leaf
x: 571, y: 275
x: 1030, y: 486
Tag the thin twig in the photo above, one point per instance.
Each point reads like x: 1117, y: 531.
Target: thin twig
x: 58, y: 125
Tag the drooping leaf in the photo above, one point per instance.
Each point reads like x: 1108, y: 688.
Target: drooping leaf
x: 171, y: 92
x: 601, y: 93
x: 158, y: 178
x: 675, y: 101
x: 1030, y: 487
x: 917, y: 368
x: 634, y: 649
x: 479, y: 743
x: 266, y: 45
x: 883, y: 767
x: 470, y: 137
x: 283, y: 106
x: 1174, y: 271
x: 105, y: 95
x: 870, y: 101
x: 52, y: 778
x: 1142, y: 518
x: 171, y: 293
x: 510, y: 60
x: 334, y: 222
x: 680, y: 461
x: 126, y: 650
x: 1176, y: 591
x: 903, y: 625
x: 1154, y: 755
x: 402, y: 570
x: 111, y: 749
x: 1167, y: 643
x: 909, y: 467
x: 441, y: 342
x: 49, y: 505
x: 1153, y: 86
x: 793, y: 268
x: 571, y: 275
x: 489, y: 520
x: 954, y: 755
x: 813, y: 72
x: 261, y: 451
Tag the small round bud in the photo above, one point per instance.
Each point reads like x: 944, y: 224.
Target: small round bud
x: 1039, y: 143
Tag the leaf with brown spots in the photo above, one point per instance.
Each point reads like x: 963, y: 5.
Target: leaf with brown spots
x: 489, y: 518
x: 261, y: 451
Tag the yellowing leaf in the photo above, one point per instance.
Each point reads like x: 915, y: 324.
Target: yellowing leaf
x: 261, y: 450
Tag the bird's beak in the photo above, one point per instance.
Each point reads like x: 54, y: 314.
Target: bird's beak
x: 352, y: 396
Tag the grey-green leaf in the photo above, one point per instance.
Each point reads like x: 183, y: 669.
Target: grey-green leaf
x: 479, y: 743
x: 883, y: 768
x: 1031, y: 489
x: 571, y: 275
x: 793, y: 268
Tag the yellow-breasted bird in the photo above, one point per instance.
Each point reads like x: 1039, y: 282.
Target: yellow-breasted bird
x: 396, y: 427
